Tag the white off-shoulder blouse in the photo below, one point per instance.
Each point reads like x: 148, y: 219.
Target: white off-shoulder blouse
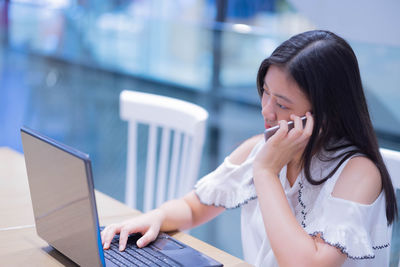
x: 360, y: 231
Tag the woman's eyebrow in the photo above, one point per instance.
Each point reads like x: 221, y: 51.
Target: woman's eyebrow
x: 278, y: 95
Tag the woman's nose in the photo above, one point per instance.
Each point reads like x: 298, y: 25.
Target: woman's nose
x: 268, y: 110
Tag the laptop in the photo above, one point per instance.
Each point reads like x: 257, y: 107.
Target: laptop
x: 64, y: 206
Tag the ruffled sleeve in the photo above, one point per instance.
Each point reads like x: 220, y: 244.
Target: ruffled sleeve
x: 358, y: 230
x: 229, y: 186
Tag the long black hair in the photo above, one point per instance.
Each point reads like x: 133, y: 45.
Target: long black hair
x: 325, y: 67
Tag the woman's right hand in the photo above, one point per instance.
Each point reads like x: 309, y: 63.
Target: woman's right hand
x: 148, y: 225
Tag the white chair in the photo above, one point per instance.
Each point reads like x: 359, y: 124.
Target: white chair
x: 177, y: 163
x: 392, y: 162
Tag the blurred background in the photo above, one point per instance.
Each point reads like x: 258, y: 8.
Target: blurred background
x: 63, y: 64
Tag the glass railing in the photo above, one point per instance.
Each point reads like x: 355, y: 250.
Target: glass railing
x: 171, y: 50
x: 190, y: 54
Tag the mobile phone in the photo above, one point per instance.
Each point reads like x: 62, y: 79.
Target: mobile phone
x: 270, y: 131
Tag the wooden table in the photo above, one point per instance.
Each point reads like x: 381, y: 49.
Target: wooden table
x: 19, y: 243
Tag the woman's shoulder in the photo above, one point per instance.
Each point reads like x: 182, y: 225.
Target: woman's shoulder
x: 241, y: 153
x: 360, y: 181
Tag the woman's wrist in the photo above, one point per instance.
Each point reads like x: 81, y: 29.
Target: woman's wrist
x: 160, y: 214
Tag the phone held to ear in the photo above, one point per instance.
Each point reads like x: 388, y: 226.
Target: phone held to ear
x: 270, y: 131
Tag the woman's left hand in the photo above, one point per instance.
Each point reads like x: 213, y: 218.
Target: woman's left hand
x: 284, y: 145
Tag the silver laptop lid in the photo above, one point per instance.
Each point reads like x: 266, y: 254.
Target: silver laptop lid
x: 64, y: 206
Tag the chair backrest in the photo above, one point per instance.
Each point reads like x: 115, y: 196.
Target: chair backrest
x: 392, y: 162
x: 174, y: 155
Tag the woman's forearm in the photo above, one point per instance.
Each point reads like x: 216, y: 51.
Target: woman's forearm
x: 292, y: 246
x: 176, y: 215
x: 186, y: 213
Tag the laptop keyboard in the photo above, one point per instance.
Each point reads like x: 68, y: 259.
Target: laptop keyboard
x: 134, y: 256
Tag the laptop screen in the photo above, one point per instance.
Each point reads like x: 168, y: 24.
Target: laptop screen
x: 61, y: 187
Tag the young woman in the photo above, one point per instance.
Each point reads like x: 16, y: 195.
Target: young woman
x: 318, y: 195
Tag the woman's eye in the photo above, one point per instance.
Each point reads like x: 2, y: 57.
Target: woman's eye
x: 281, y: 106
